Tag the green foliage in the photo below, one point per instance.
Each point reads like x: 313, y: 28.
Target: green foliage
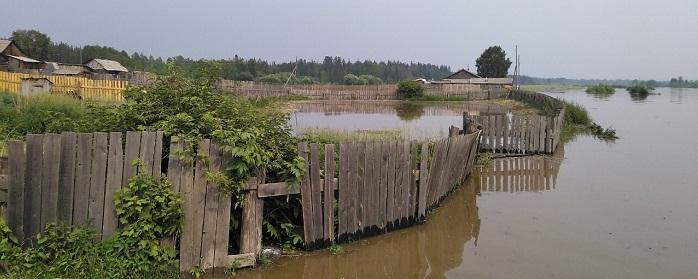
x: 336, y: 249
x: 578, y: 121
x: 493, y: 63
x: 409, y: 89
x: 33, y: 43
x: 283, y: 219
x: 484, y: 159
x: 147, y: 211
x: 640, y: 90
x: 576, y: 114
x: 601, y: 89
x: 351, y: 79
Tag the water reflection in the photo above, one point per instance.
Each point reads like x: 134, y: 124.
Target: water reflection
x: 638, y: 97
x: 428, y: 250
x: 520, y: 174
x: 408, y: 111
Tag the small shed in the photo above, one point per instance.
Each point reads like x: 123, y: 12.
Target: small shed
x: 104, y: 66
x: 22, y: 64
x: 462, y: 74
x: 35, y: 86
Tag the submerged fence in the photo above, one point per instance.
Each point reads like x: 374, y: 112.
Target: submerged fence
x: 524, y: 134
x: 348, y: 191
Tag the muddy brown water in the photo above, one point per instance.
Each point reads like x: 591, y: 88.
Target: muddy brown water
x: 593, y: 210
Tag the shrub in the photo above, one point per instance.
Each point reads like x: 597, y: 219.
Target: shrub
x: 639, y: 89
x: 409, y: 89
x: 148, y: 211
x: 601, y: 89
x: 351, y: 79
x: 373, y: 80
x: 576, y: 114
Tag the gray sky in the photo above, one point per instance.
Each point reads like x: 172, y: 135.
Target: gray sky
x: 643, y: 39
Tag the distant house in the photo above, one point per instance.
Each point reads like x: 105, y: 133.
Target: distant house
x: 104, y: 66
x: 462, y: 74
x: 8, y: 48
x: 61, y: 69
x: 23, y: 64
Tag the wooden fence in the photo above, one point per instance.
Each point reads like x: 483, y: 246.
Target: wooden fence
x: 524, y: 134
x: 382, y: 186
x: 88, y: 89
x: 361, y: 92
x: 356, y: 190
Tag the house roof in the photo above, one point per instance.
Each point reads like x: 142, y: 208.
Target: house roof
x: 24, y: 59
x: 463, y: 74
x: 109, y: 65
x: 64, y: 69
x: 4, y: 44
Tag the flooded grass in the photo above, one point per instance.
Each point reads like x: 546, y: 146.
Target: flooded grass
x: 516, y: 107
x: 550, y: 87
x: 326, y: 135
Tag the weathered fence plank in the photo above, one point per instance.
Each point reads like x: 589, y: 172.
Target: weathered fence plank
x: 306, y: 197
x: 50, y: 180
x: 329, y: 230
x: 16, y: 190
x: 95, y: 213
x: 66, y: 186
x: 113, y: 183
x: 32, y: 194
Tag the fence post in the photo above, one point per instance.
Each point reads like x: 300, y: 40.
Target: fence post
x: 252, y: 214
x: 15, y: 201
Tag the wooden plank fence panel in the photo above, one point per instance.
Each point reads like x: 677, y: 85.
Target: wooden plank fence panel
x: 133, y: 147
x: 222, y: 220
x: 316, y: 196
x: 32, y: 194
x: 329, y: 193
x: 210, y: 217
x: 343, y: 191
x: 391, y: 175
x: 98, y: 181
x: 423, y: 178
x: 198, y: 195
x: 383, y: 185
x: 147, y: 152
x: 50, y: 180
x: 360, y: 178
x: 306, y: 200
x: 83, y: 170
x: 352, y: 189
x: 367, y: 188
x: 66, y: 186
x: 115, y: 163
x: 15, y: 190
x: 186, y: 259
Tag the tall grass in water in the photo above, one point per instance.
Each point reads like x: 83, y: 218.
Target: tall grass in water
x: 325, y: 135
x: 577, y: 120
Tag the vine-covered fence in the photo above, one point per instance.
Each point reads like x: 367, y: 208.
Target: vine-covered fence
x: 71, y: 178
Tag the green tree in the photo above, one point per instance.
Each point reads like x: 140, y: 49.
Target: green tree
x: 409, y: 89
x: 34, y: 43
x: 493, y: 63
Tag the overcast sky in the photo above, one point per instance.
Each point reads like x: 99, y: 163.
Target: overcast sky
x: 645, y: 39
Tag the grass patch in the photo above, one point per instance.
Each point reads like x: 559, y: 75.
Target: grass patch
x: 601, y: 89
x: 326, y: 136
x: 577, y: 121
x: 336, y: 249
x: 517, y: 107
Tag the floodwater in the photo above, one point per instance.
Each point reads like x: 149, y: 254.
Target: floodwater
x: 416, y: 120
x: 593, y: 210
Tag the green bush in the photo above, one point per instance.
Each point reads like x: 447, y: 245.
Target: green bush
x: 148, y: 211
x: 409, y: 89
x: 576, y: 114
x: 639, y: 89
x: 601, y: 89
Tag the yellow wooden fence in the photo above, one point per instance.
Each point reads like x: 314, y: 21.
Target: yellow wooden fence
x: 88, y: 89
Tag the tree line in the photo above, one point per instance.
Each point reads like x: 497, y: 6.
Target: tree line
x: 331, y: 69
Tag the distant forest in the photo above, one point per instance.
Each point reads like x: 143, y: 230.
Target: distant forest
x: 674, y: 82
x: 331, y: 70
